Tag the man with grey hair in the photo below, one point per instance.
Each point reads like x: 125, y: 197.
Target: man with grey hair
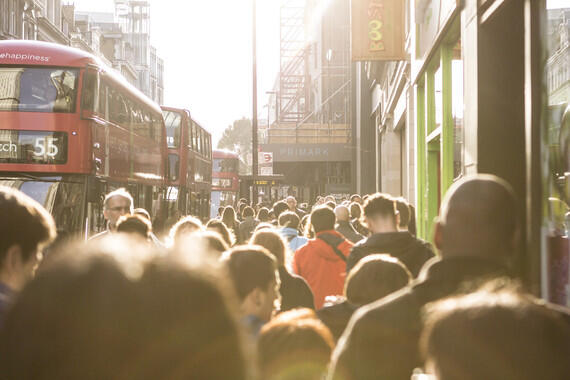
x: 292, y: 204
x: 116, y: 204
x: 476, y: 235
x: 343, y: 225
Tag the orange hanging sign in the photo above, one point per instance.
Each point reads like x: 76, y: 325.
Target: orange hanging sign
x: 377, y: 30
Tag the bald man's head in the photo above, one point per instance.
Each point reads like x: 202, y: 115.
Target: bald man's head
x: 342, y: 214
x: 478, y: 218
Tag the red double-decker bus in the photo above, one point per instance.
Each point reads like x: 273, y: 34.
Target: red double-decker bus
x: 72, y: 129
x: 190, y: 165
x: 225, y: 180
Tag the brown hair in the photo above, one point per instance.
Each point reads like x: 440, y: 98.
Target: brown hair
x: 380, y: 204
x: 322, y: 219
x: 273, y: 242
x: 289, y: 219
x: 404, y: 212
x: 137, y: 224
x: 374, y: 277
x: 250, y: 267
x: 24, y: 223
x: 222, y: 229
x: 187, y: 224
x: 496, y: 335
x: 295, y: 345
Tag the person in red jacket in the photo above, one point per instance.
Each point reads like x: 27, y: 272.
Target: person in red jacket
x: 322, y: 261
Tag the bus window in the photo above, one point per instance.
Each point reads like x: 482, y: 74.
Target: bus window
x: 174, y: 166
x: 103, y: 100
x: 89, y: 92
x: 28, y: 89
x: 172, y: 122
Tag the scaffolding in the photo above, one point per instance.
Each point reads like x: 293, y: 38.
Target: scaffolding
x: 293, y: 95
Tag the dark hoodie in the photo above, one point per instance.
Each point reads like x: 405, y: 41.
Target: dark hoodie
x: 411, y: 251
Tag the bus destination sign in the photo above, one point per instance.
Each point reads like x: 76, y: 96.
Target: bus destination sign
x: 33, y: 147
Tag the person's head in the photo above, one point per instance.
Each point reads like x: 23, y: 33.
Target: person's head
x: 24, y: 229
x: 121, y: 319
x: 253, y: 271
x: 242, y: 207
x: 403, y: 213
x: 355, y: 210
x: 295, y: 345
x: 319, y: 201
x: 356, y: 198
x: 380, y: 213
x: 220, y: 228
x: 495, y: 335
x: 220, y: 210
x: 229, y: 217
x: 289, y: 219
x: 305, y: 226
x: 374, y: 277
x: 116, y: 204
x: 342, y: 214
x: 330, y: 198
x: 263, y: 215
x: 263, y: 226
x: 137, y: 225
x: 273, y: 242
x: 279, y: 207
x: 478, y: 217
x: 142, y: 212
x: 322, y: 219
x: 247, y: 212
x: 330, y: 204
x: 185, y: 226
x: 291, y: 202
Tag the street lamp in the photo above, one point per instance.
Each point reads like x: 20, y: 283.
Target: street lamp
x: 254, y: 118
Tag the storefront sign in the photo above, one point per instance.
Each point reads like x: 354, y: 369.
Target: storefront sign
x: 377, y: 30
x: 309, y: 152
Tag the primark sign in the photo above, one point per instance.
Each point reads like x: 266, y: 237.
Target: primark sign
x: 308, y: 152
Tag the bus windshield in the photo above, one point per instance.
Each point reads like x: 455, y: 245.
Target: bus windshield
x: 228, y: 165
x: 33, y: 89
x: 172, y: 122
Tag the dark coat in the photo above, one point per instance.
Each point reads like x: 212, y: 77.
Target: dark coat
x: 246, y: 229
x: 381, y: 341
x: 411, y: 251
x: 294, y: 291
x: 336, y: 317
x: 347, y: 230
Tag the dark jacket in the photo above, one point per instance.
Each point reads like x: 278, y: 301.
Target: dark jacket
x: 411, y: 251
x: 381, y: 341
x: 349, y: 233
x: 245, y: 229
x: 336, y: 317
x: 294, y: 291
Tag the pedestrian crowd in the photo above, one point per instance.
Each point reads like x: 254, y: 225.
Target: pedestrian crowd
x: 342, y: 290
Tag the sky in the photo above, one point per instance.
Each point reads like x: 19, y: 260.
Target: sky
x: 207, y: 51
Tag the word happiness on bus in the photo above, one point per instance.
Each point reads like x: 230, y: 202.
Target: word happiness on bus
x: 25, y: 57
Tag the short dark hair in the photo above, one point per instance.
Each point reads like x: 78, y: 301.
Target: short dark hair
x: 143, y: 212
x: 354, y: 196
x: 280, y: 207
x: 250, y: 267
x: 263, y: 215
x: 330, y: 204
x: 374, y: 277
x: 273, y: 242
x: 135, y: 224
x: 404, y: 211
x: 355, y: 210
x: 25, y: 223
x: 106, y: 317
x: 294, y: 345
x: 380, y: 204
x: 289, y: 219
x: 247, y: 211
x: 496, y: 335
x: 322, y: 219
